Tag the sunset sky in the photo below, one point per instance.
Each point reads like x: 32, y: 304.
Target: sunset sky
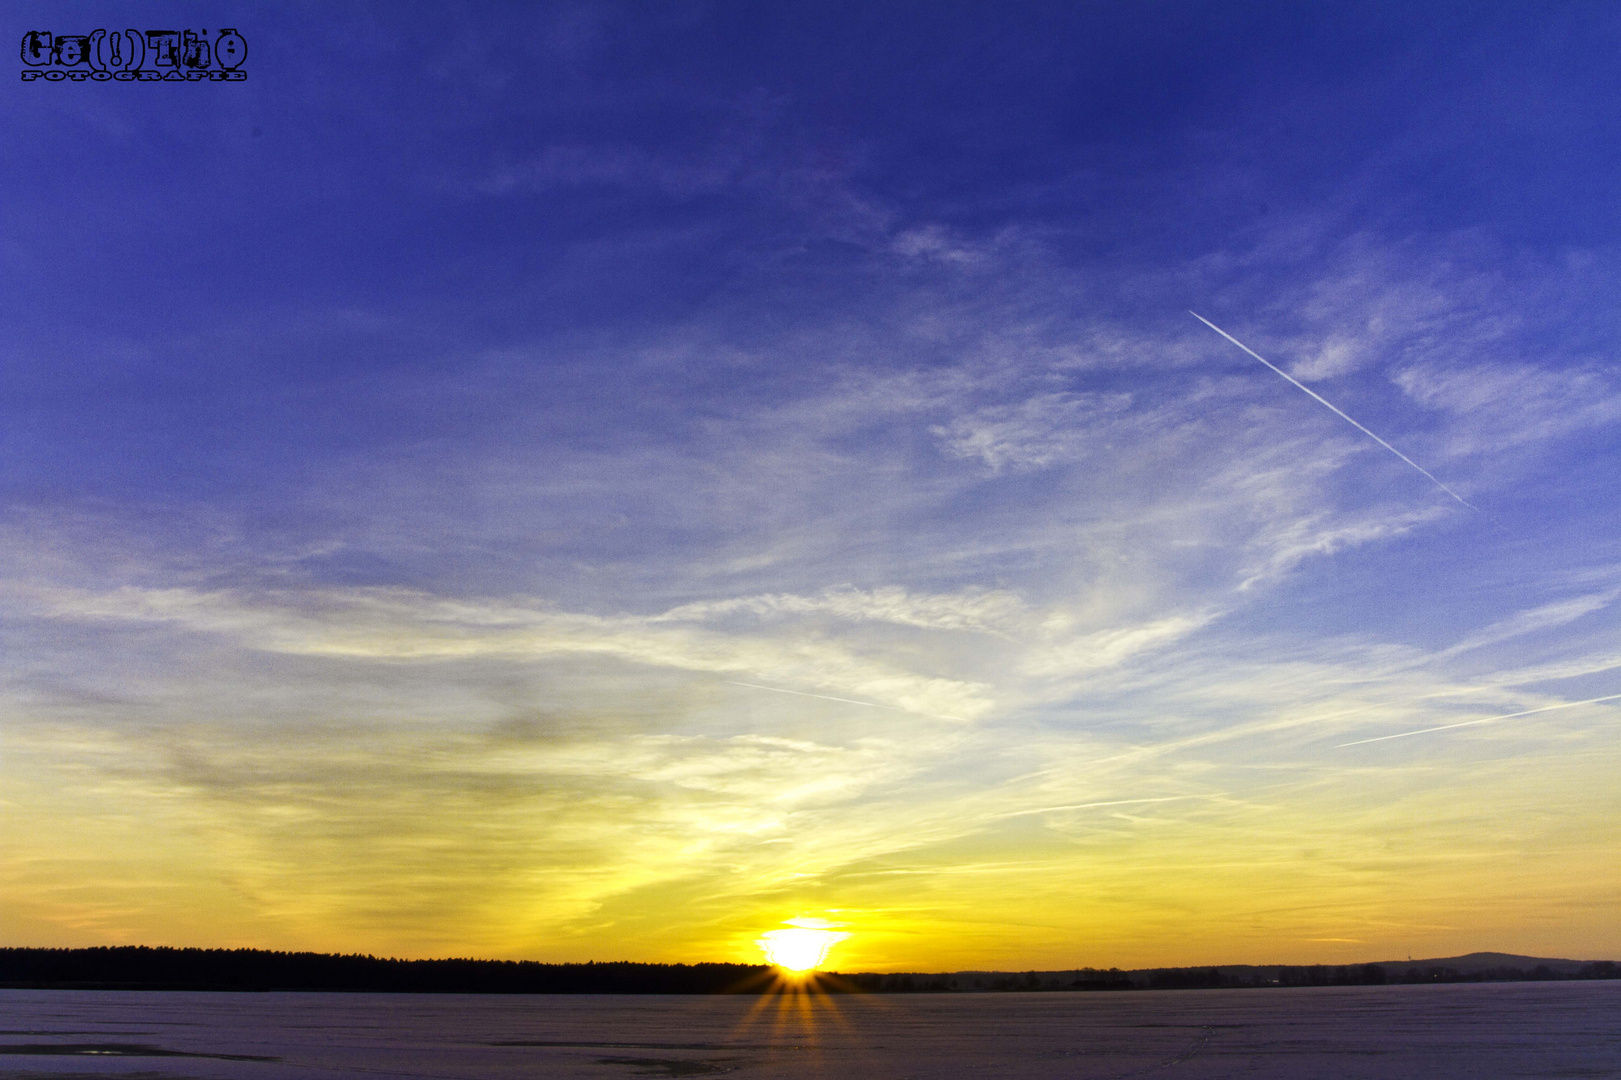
x: 600, y: 481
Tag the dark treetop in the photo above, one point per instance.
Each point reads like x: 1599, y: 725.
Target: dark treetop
x: 144, y: 968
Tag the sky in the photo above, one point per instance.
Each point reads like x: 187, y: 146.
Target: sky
x: 602, y: 481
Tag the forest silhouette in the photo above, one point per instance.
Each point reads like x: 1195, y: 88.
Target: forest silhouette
x: 163, y: 968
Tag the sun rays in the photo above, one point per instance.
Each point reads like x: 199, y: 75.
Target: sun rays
x: 803, y: 995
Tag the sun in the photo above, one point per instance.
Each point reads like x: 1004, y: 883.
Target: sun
x: 797, y: 950
x: 803, y: 946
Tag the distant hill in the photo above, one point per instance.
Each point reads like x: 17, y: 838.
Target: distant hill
x: 142, y: 968
x: 1474, y: 967
x: 1482, y: 961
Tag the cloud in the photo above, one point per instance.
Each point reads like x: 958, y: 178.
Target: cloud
x: 1110, y: 648
x: 975, y: 610
x: 1336, y: 356
x: 394, y: 625
x: 1500, y: 406
x: 1033, y: 433
x: 934, y: 242
x: 1544, y: 617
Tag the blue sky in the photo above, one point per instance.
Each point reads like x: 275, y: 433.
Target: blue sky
x: 435, y: 471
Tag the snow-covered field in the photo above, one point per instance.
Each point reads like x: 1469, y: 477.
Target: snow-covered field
x: 1389, y: 1033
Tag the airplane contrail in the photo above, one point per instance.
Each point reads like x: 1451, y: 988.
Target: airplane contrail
x: 1090, y: 805
x: 847, y: 701
x: 1484, y: 720
x: 1332, y: 406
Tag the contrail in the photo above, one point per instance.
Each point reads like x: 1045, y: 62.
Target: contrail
x: 847, y: 701
x: 1486, y: 720
x: 1090, y: 805
x: 1331, y: 405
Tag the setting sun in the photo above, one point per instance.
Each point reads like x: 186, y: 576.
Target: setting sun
x: 802, y: 947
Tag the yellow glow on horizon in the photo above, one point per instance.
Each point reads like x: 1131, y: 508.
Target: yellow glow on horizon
x: 803, y: 946
x: 1406, y: 861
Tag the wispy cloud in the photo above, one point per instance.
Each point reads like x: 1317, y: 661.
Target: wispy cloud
x: 1033, y: 433
x: 979, y: 610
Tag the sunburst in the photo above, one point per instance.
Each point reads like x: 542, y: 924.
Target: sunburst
x: 801, y: 945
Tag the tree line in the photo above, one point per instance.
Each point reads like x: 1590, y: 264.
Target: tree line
x: 146, y: 968
x: 143, y: 967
